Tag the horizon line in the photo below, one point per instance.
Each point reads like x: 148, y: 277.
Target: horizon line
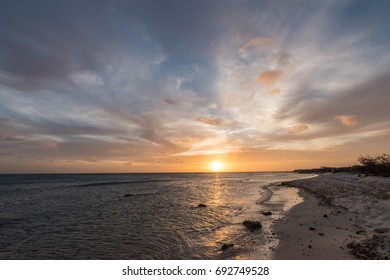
x: 178, y: 172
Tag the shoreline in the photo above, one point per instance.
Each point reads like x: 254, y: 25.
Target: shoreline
x: 342, y: 216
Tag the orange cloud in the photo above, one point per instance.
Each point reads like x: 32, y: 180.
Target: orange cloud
x: 269, y: 78
x: 275, y: 91
x: 260, y: 42
x: 48, y: 143
x: 299, y: 128
x: 210, y: 121
x: 188, y: 141
x: 347, y: 120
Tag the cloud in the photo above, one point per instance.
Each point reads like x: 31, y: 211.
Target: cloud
x: 91, y: 159
x: 170, y: 101
x: 275, y: 91
x: 361, y: 99
x: 86, y: 78
x: 299, y: 128
x: 10, y: 138
x: 259, y: 42
x: 149, y: 80
x: 210, y: 120
x: 269, y: 78
x: 347, y: 120
x: 283, y: 59
x: 37, y: 53
x: 48, y: 143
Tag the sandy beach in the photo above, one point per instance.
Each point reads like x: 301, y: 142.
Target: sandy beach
x: 342, y: 216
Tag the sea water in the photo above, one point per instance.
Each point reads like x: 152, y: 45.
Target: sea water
x: 139, y: 216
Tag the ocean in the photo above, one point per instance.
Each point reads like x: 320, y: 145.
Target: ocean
x: 141, y: 216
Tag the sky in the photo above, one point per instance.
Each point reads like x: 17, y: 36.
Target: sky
x: 170, y: 86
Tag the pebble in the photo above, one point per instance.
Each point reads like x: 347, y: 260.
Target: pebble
x: 227, y: 246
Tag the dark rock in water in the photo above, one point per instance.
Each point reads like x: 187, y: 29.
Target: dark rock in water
x: 320, y: 234
x: 266, y: 213
x: 311, y: 228
x: 201, y: 205
x: 252, y: 225
x: 325, y: 216
x: 128, y: 195
x: 226, y: 246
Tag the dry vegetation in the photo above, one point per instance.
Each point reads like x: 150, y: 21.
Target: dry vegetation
x: 370, y: 165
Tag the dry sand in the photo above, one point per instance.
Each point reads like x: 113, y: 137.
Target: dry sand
x: 343, y: 216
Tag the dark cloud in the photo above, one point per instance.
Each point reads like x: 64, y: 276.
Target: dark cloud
x: 367, y: 101
x: 10, y: 138
x: 25, y: 125
x: 170, y: 101
x: 47, y: 40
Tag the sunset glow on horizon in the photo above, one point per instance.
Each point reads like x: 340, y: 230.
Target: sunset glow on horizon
x: 216, y: 166
x: 171, y: 86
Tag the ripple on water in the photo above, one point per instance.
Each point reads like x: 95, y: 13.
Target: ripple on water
x: 52, y: 217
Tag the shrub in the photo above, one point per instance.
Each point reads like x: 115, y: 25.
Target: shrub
x: 378, y: 165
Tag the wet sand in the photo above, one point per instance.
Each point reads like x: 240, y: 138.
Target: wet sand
x: 342, y: 216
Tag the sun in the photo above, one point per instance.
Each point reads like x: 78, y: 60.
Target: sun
x: 216, y: 166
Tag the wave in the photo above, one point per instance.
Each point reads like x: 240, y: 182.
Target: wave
x: 266, y: 195
x: 98, y: 184
x: 138, y: 194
